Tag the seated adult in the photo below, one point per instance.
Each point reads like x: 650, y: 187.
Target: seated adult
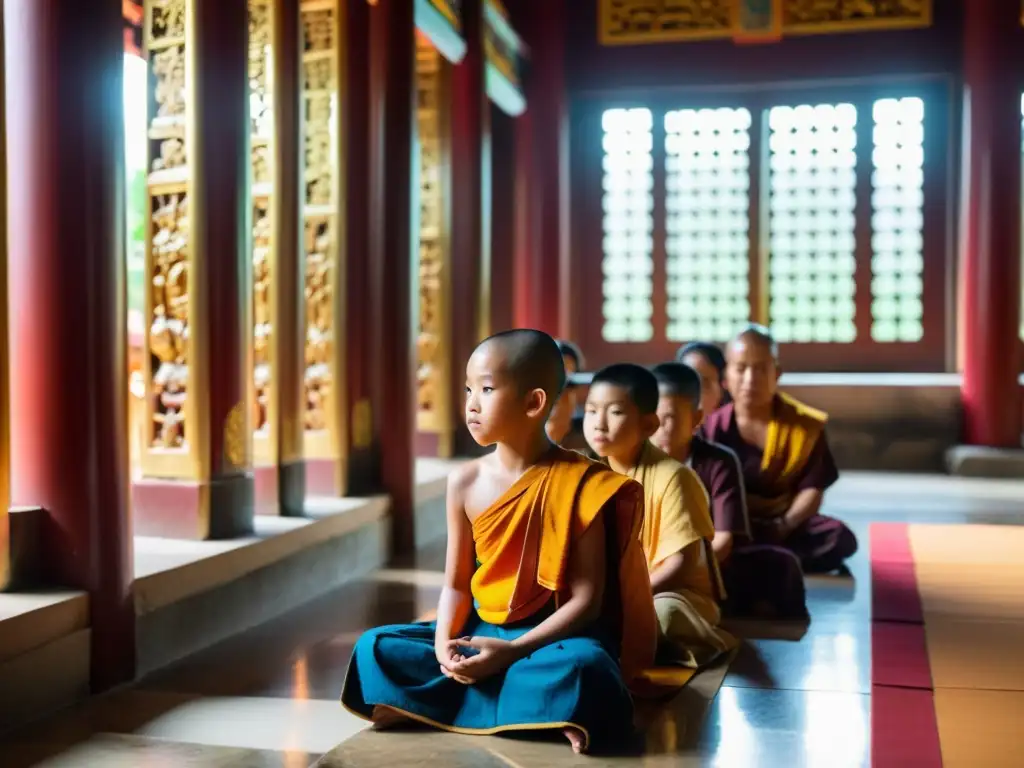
x: 761, y: 580
x: 784, y: 455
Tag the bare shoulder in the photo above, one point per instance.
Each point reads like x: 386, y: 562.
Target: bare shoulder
x: 462, y: 478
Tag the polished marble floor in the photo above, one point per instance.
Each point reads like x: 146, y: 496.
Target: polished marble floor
x: 793, y: 696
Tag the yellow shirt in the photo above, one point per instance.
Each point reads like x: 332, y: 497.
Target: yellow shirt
x: 677, y: 518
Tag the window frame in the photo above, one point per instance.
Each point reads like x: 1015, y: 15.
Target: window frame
x: 931, y: 354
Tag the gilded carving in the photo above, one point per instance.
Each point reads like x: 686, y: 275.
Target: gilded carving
x: 169, y: 329
x: 648, y: 21
x: 169, y: 72
x: 235, y: 443
x: 429, y: 342
x: 262, y: 317
x: 319, y: 324
x: 318, y: 31
x: 850, y: 15
x: 319, y: 167
x: 167, y: 264
x: 319, y: 176
x: 259, y: 64
x: 624, y: 22
x: 166, y: 20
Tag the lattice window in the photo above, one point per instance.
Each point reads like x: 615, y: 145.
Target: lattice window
x: 707, y: 225
x: 897, y: 220
x: 628, y: 225
x: 811, y: 223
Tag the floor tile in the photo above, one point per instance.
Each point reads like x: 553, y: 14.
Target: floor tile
x: 106, y: 750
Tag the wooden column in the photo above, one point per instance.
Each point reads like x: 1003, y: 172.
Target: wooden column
x: 197, y: 447
x: 990, y: 225
x: 542, y: 161
x: 354, y: 101
x: 503, y: 224
x: 279, y: 330
x: 69, y: 449
x: 470, y: 250
x: 391, y: 139
x: 5, y: 424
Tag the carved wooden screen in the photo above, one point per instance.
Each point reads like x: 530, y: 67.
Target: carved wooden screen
x: 821, y: 212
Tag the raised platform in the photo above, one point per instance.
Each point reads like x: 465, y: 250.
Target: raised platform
x: 890, y: 422
x: 192, y: 594
x: 977, y: 461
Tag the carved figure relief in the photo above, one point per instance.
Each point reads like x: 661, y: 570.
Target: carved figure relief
x: 261, y: 129
x: 430, y: 383
x: 168, y: 322
x: 168, y: 330
x: 320, y: 95
x: 259, y: 65
x: 319, y: 321
x: 262, y: 317
x: 167, y: 20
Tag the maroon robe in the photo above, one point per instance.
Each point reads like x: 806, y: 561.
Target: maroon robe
x: 758, y: 578
x: 822, y: 543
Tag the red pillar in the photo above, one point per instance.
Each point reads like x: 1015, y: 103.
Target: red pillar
x: 354, y: 93
x: 542, y: 167
x: 470, y: 125
x: 69, y: 436
x: 990, y: 236
x: 392, y: 46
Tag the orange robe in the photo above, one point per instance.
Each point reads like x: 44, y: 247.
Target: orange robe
x: 523, y: 545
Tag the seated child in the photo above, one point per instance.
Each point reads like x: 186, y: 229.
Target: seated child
x: 560, y: 422
x: 709, y: 363
x: 784, y: 455
x: 546, y: 612
x: 760, y: 579
x: 620, y: 416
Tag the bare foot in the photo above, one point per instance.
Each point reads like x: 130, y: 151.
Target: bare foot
x: 576, y: 739
x: 384, y: 717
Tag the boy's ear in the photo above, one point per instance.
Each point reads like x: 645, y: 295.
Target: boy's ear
x: 536, y: 403
x: 649, y: 424
x: 698, y: 417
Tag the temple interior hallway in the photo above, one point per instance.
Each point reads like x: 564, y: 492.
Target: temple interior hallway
x: 269, y: 697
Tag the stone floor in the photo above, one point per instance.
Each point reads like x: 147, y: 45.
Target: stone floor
x: 791, y: 697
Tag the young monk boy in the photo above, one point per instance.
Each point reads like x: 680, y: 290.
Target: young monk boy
x: 784, y: 454
x: 539, y: 626
x: 619, y: 418
x: 559, y: 423
x: 760, y: 580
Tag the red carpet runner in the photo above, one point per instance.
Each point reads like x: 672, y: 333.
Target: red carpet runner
x: 904, y: 732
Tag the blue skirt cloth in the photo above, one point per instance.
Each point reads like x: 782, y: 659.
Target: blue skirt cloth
x: 574, y: 682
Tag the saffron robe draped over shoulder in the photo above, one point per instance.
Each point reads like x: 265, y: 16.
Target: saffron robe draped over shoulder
x: 677, y: 518
x: 795, y: 457
x: 523, y: 545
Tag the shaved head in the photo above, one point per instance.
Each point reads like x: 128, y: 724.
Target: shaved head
x: 531, y: 358
x: 759, y: 336
x: 752, y: 369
